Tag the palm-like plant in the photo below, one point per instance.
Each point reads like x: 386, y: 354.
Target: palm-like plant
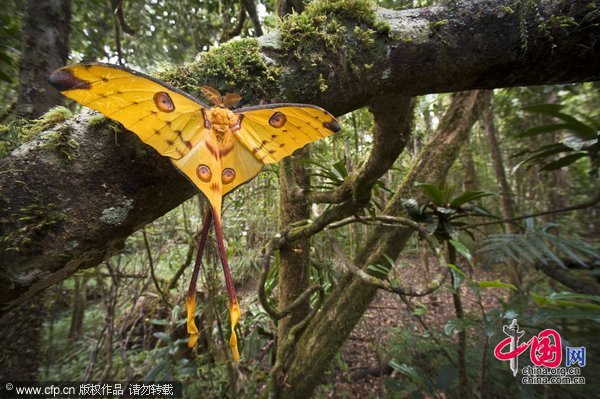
x: 580, y: 140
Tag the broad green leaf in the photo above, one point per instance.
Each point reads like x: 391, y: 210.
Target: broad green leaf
x: 580, y: 129
x: 555, y: 302
x: 154, y: 372
x: 495, y: 284
x: 420, y: 310
x: 450, y: 327
x: 573, y: 295
x: 175, y: 312
x: 458, y: 274
x: 340, y: 168
x: 479, y: 210
x: 534, y: 131
x: 412, y: 373
x: 447, y: 193
x: 551, y: 150
x: 162, y: 336
x: 389, y: 260
x: 432, y: 191
x: 456, y: 269
x: 554, y: 314
x: 564, y: 161
x: 533, y: 151
x: 468, y: 196
x: 378, y: 269
x: 462, y: 249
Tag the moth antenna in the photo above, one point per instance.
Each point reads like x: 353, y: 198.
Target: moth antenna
x: 231, y: 100
x: 212, y: 95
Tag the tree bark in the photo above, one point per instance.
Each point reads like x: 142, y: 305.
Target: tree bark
x: 286, y: 7
x: 250, y: 7
x: 325, y: 334
x: 508, y: 206
x: 294, y: 265
x: 471, y: 182
x: 44, y: 48
x: 57, y: 216
x: 567, y: 277
x: 21, y: 351
x: 78, y: 307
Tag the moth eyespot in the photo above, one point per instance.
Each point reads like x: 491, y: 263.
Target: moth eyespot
x: 278, y: 120
x: 227, y: 176
x: 204, y: 173
x: 163, y: 102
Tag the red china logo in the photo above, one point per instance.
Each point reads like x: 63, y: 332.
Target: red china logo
x: 545, y: 352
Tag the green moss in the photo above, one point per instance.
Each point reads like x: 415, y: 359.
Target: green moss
x: 562, y: 22
x: 361, y: 11
x: 437, y: 24
x: 60, y: 141
x: 19, y: 130
x: 236, y: 66
x: 51, y: 118
x: 330, y: 32
x: 434, y: 27
x: 5, y: 148
x: 11, y: 134
x: 382, y: 27
x: 322, y: 83
x: 97, y: 120
x: 32, y: 221
x: 365, y: 36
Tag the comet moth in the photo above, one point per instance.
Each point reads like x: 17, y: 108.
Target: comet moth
x: 216, y: 148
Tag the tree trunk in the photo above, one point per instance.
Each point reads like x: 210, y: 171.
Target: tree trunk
x: 508, y: 206
x: 471, y: 182
x: 21, y: 350
x: 463, y: 378
x: 44, y: 48
x: 78, y: 307
x: 285, y: 7
x: 326, y: 333
x: 250, y: 7
x: 294, y: 265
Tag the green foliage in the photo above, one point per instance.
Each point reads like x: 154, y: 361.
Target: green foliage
x: 423, y: 371
x: 151, y: 33
x: 330, y: 177
x: 569, y: 300
x: 10, y: 34
x: 442, y: 209
x: 538, y: 246
x: 583, y: 140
